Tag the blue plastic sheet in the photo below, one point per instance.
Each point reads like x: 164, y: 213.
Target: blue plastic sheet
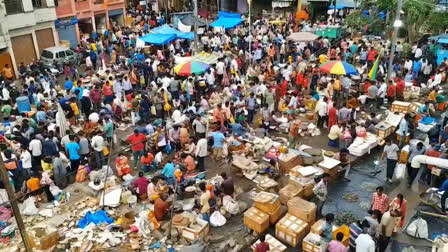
x: 166, y: 29
x: 427, y: 120
x: 158, y: 39
x: 227, y: 20
x: 98, y: 217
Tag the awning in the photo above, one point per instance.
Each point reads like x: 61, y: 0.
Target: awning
x: 227, y: 20
x: 158, y: 39
x: 341, y: 4
x: 302, y: 36
x: 166, y: 29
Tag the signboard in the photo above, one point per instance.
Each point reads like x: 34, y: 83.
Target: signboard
x: 65, y: 21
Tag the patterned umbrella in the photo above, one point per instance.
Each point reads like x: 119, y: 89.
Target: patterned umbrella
x: 191, y: 67
x: 338, y: 67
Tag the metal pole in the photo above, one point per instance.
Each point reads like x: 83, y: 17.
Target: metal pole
x: 335, y: 10
x: 394, y: 41
x: 14, y: 205
x: 195, y: 14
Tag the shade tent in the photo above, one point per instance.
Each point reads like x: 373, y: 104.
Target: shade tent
x: 302, y: 37
x: 158, y: 39
x: 227, y: 20
x: 341, y: 4
x: 166, y: 29
x: 189, y: 20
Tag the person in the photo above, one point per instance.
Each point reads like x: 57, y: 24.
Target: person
x: 365, y: 243
x: 168, y: 172
x: 337, y: 245
x: 218, y: 141
x: 251, y: 103
x: 326, y: 232
x: 227, y: 186
x: 122, y: 165
x: 387, y: 228
x: 204, y: 201
x: 73, y: 148
x: 355, y: 228
x: 444, y: 188
x: 322, y: 111
x: 399, y: 204
x: 344, y: 157
x: 201, y: 153
x: 151, y: 188
x: 391, y: 152
x: 137, y: 141
x: 33, y: 185
x: 147, y: 162
x: 374, y: 223
x: 380, y: 201
x: 141, y: 183
x: 263, y: 246
x: 414, y: 150
x: 188, y: 162
x: 320, y: 190
x: 161, y: 207
x: 98, y: 147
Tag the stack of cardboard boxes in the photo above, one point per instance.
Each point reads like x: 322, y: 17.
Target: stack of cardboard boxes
x: 265, y: 211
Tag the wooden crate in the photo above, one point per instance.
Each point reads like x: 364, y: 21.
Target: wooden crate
x: 288, y: 192
x: 302, y: 209
x: 414, y: 107
x: 267, y: 202
x: 346, y: 231
x: 291, y: 229
x: 274, y: 244
x: 399, y: 106
x: 200, y: 232
x: 256, y: 220
x: 308, y: 190
x: 383, y: 130
x: 288, y: 161
x: 308, y: 246
x: 275, y: 216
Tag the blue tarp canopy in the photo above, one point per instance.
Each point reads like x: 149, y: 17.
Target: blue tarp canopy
x: 166, y: 29
x: 341, y: 4
x: 158, y: 39
x: 227, y: 20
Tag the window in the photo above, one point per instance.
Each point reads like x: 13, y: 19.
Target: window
x: 69, y: 53
x: 47, y: 54
x: 61, y: 54
x: 37, y: 4
x: 13, y: 7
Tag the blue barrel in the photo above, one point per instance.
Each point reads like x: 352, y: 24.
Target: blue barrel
x: 23, y: 104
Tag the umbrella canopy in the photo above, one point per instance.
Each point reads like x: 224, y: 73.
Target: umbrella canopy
x: 338, y: 67
x: 191, y: 67
x: 302, y: 36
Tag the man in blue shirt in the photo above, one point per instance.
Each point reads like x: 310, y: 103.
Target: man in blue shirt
x: 218, y: 141
x: 326, y: 232
x: 444, y: 189
x: 168, y: 172
x: 73, y: 148
x: 68, y: 84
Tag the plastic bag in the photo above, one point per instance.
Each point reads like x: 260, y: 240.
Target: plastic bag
x: 418, y: 228
x: 29, y: 207
x: 217, y: 220
x: 400, y: 171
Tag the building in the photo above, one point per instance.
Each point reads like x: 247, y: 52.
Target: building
x: 26, y: 28
x: 79, y: 17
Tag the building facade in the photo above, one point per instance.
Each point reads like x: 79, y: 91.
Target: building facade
x: 76, y: 18
x: 26, y: 28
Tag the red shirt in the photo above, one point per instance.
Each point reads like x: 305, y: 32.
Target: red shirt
x: 137, y: 141
x: 299, y: 79
x: 95, y: 95
x: 391, y: 91
x: 147, y: 159
x: 380, y: 203
x: 160, y: 209
x: 107, y: 90
x: 305, y: 82
x: 366, y: 87
x: 142, y: 184
x: 400, y: 86
x: 262, y: 247
x: 371, y: 54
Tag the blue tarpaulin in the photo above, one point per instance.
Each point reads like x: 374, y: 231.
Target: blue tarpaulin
x: 227, y: 20
x: 341, y: 4
x: 158, y: 39
x: 166, y: 29
x: 98, y: 217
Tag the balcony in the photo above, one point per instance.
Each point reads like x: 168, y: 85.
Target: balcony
x: 64, y: 8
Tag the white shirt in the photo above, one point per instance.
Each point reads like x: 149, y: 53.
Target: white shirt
x: 408, y: 65
x: 166, y: 82
x: 364, y: 243
x: 35, y: 147
x: 418, y: 53
x: 322, y: 108
x: 201, y: 148
x: 220, y: 67
x: 437, y: 79
x: 25, y: 156
x: 158, y: 158
x: 382, y: 90
x: 5, y: 94
x: 97, y: 143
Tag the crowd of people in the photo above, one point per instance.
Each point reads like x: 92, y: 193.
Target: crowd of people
x: 259, y: 80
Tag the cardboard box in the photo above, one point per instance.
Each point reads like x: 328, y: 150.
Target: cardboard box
x: 291, y: 229
x: 302, y: 209
x: 288, y: 161
x: 308, y: 243
x: 256, y: 220
x: 317, y: 226
x: 274, y: 244
x: 288, y: 192
x: 202, y: 229
x: 275, y: 216
x: 267, y: 202
x: 308, y: 190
